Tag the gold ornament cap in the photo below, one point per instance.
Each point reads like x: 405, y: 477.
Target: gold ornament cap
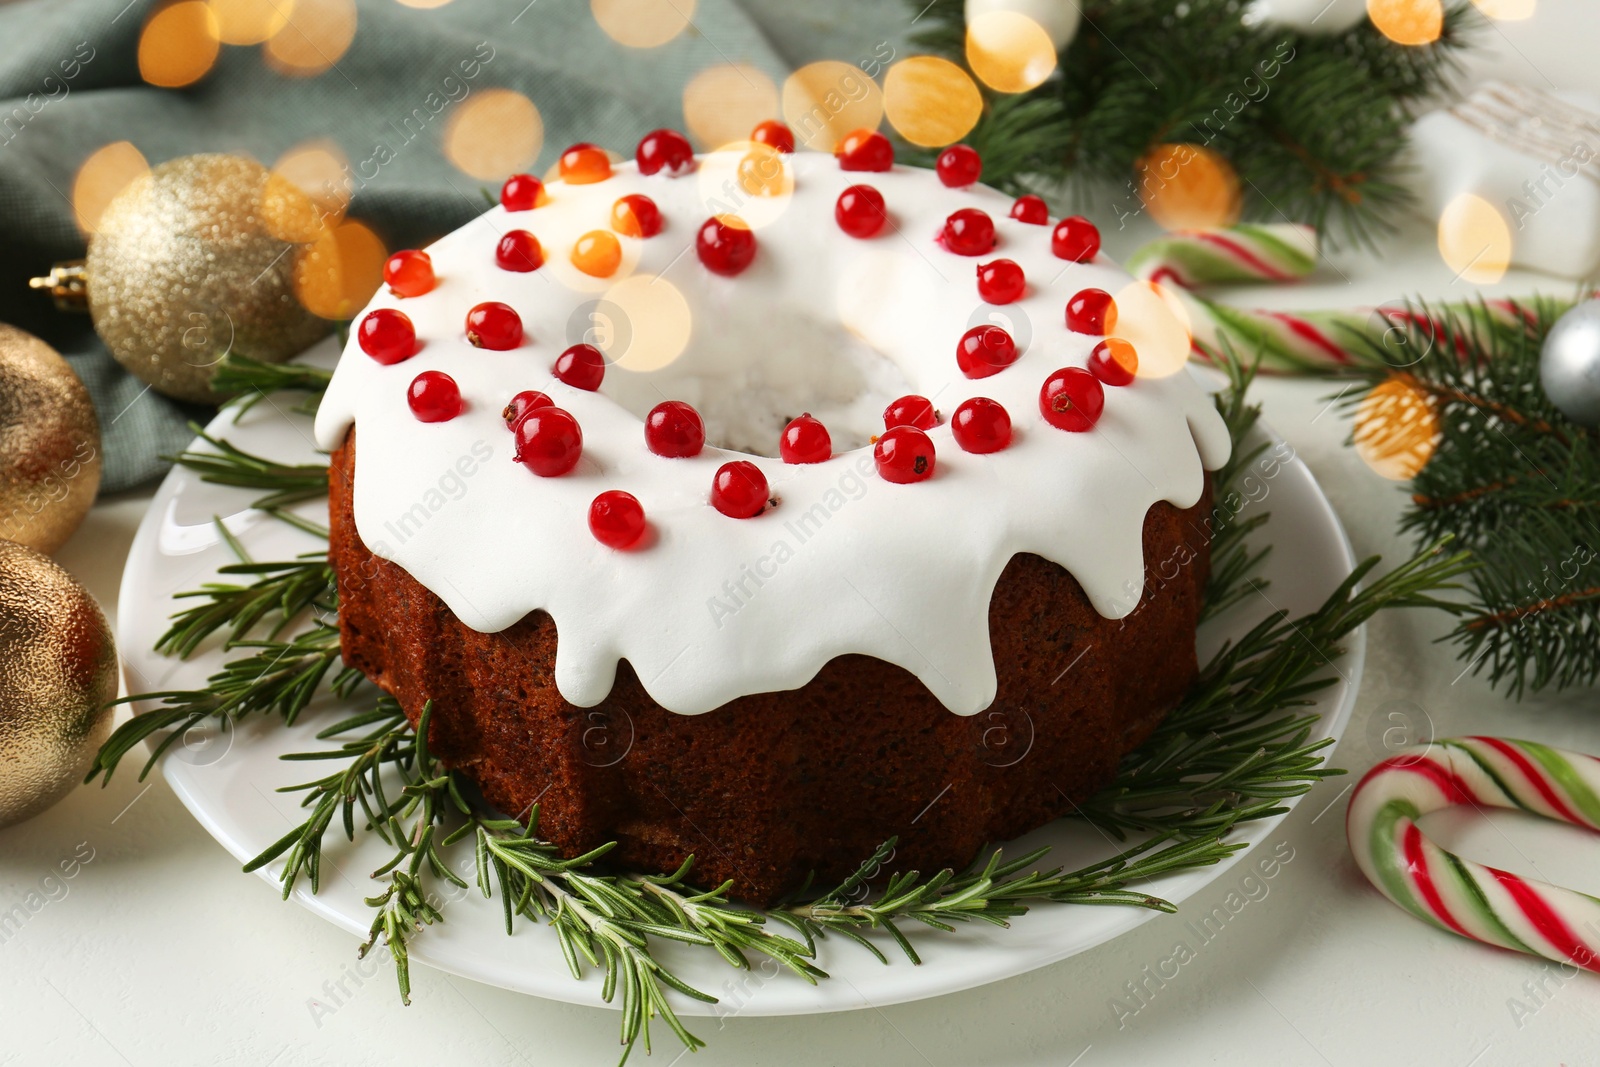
x: 190, y: 263
x: 58, y: 673
x: 49, y: 444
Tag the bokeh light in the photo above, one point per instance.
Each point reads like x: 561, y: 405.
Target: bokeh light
x: 424, y: 5
x: 825, y: 100
x: 725, y: 102
x: 1396, y: 429
x: 318, y: 169
x: 746, y: 179
x: 1189, y: 187
x: 1507, y: 10
x: 1155, y: 322
x: 494, y: 133
x: 646, y: 298
x: 178, y: 45
x: 250, y: 21
x: 930, y: 101
x: 642, y: 23
x: 762, y: 173
x: 1009, y: 52
x: 1475, y: 239
x: 315, y: 37
x: 336, y: 275
x: 102, y: 176
x: 1412, y: 22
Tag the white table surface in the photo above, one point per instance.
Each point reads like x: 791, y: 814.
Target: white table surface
x: 160, y: 951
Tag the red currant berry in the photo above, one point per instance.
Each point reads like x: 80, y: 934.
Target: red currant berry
x: 904, y: 454
x: 519, y: 250
x: 860, y: 211
x: 409, y: 273
x: 958, y: 166
x: 739, y: 489
x: 725, y: 245
x: 581, y: 366
x: 969, y: 232
x: 616, y: 519
x: 774, y: 134
x: 584, y: 164
x: 665, y: 150
x: 805, y: 440
x: 636, y: 215
x: 1032, y: 210
x: 865, y: 150
x: 434, y: 397
x: 1075, y: 239
x: 911, y: 410
x: 549, y: 442
x: 1114, y: 361
x: 981, y: 425
x: 675, y: 430
x: 524, y: 402
x: 387, y: 336
x: 521, y: 192
x: 985, y: 350
x: 1000, y: 281
x: 1092, y: 311
x: 494, y: 325
x: 1072, y: 399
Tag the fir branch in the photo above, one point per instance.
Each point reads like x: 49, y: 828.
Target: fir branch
x: 285, y: 483
x: 248, y: 382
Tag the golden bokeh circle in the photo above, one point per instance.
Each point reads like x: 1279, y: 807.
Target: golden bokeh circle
x: 642, y: 23
x: 1409, y: 22
x: 930, y: 101
x: 493, y: 133
x: 106, y: 172
x: 746, y: 183
x: 178, y: 45
x: 424, y: 5
x: 647, y: 298
x: 250, y: 21
x: 1155, y: 322
x: 1009, y: 52
x: 1189, y: 187
x: 725, y: 102
x: 825, y: 100
x: 1396, y: 429
x: 319, y: 169
x: 316, y: 36
x: 337, y: 274
x: 1475, y: 239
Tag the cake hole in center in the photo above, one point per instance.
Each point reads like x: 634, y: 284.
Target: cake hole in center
x: 753, y: 370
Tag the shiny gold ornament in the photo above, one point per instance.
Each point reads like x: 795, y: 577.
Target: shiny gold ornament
x: 58, y: 670
x: 193, y: 261
x: 49, y: 444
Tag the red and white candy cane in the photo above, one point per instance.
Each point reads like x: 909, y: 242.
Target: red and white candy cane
x: 1467, y: 898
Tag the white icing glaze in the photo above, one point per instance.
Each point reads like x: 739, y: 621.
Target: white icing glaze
x: 711, y: 608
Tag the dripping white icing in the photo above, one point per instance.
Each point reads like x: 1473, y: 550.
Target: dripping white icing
x: 714, y: 608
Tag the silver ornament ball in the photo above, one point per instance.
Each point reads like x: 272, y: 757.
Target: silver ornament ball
x: 1569, y: 364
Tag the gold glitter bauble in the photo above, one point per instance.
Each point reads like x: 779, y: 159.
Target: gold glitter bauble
x: 190, y: 262
x: 58, y: 670
x: 49, y: 444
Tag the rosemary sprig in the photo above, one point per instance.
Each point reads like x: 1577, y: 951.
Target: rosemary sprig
x: 285, y: 483
x: 250, y: 381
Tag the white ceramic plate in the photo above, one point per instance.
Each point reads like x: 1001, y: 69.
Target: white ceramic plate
x: 228, y: 779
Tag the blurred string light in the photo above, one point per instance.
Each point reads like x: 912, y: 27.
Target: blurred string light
x: 315, y: 36
x: 337, y: 274
x: 642, y: 23
x: 1507, y: 10
x: 1009, y: 52
x: 1475, y: 239
x: 1189, y: 187
x: 250, y: 21
x: 647, y: 298
x: 1396, y: 429
x: 825, y: 100
x: 930, y: 101
x: 308, y: 191
x: 745, y: 180
x: 1412, y: 22
x: 102, y: 176
x: 723, y: 103
x: 425, y: 5
x: 179, y: 44
x: 493, y: 133
x: 1155, y: 322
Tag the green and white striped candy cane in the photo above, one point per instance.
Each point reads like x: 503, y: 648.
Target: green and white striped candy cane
x: 1455, y: 894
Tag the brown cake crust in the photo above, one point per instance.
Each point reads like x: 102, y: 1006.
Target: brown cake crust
x: 772, y: 786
